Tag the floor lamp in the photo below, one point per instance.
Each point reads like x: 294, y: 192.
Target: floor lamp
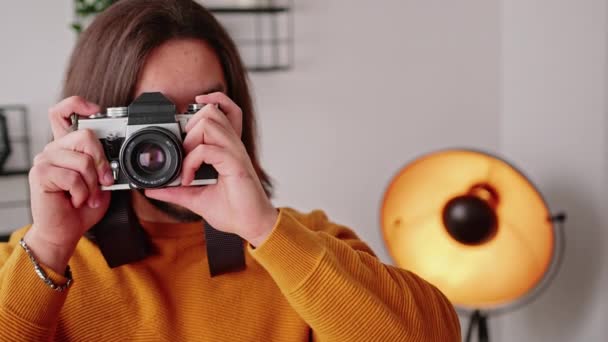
x: 474, y: 226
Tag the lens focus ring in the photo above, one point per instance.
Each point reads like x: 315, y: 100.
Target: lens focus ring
x: 151, y: 157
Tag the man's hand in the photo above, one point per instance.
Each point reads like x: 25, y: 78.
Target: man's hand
x: 237, y: 203
x: 66, y: 199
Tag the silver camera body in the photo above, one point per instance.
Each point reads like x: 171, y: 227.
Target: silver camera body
x: 143, y: 143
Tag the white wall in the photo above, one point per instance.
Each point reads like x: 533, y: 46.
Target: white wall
x: 554, y: 124
x: 378, y: 83
x: 374, y: 87
x: 36, y: 43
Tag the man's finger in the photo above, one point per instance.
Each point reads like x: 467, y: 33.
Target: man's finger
x: 85, y: 141
x: 208, y: 154
x: 59, y: 114
x: 56, y: 179
x: 233, y: 112
x: 209, y: 132
x: 209, y: 112
x: 79, y: 162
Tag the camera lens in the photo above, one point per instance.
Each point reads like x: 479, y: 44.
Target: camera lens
x: 151, y: 157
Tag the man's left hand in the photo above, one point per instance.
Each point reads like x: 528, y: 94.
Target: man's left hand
x: 237, y: 203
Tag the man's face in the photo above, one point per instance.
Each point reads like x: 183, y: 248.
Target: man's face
x: 181, y: 69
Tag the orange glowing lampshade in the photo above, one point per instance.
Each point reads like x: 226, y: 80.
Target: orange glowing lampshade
x: 472, y: 225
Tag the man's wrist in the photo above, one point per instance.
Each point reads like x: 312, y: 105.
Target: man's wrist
x: 267, y: 225
x: 43, y: 274
x: 50, y: 254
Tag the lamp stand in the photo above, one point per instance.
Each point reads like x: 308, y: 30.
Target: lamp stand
x: 479, y: 320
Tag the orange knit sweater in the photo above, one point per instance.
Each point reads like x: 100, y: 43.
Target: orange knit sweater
x: 311, y: 279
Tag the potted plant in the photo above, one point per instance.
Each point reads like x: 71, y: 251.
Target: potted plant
x: 85, y: 11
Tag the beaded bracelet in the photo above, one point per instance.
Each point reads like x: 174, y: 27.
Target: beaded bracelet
x: 40, y: 272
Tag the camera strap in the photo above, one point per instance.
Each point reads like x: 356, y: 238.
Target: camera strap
x: 122, y: 240
x: 119, y: 235
x: 225, y: 251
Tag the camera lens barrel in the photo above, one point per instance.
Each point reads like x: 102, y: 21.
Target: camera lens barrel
x: 151, y: 157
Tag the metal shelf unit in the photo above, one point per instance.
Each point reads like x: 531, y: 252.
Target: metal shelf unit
x: 280, y: 40
x: 21, y: 113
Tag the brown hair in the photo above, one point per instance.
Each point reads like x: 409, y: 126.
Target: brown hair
x: 110, y: 53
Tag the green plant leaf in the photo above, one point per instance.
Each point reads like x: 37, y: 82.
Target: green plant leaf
x: 87, y: 8
x: 77, y: 27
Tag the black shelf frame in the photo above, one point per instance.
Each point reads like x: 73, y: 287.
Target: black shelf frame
x: 10, y: 173
x: 275, y: 42
x: 14, y: 204
x: 25, y: 140
x: 250, y: 10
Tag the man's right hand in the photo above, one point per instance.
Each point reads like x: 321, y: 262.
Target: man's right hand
x: 66, y: 199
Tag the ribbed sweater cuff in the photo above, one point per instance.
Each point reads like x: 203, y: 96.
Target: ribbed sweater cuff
x: 26, y: 295
x: 291, y: 253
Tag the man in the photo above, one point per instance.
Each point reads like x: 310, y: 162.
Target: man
x: 304, y: 277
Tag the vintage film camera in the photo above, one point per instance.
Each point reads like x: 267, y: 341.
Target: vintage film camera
x: 143, y: 143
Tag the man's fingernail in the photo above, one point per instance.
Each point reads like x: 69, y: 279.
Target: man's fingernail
x: 108, y: 178
x: 94, y: 203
